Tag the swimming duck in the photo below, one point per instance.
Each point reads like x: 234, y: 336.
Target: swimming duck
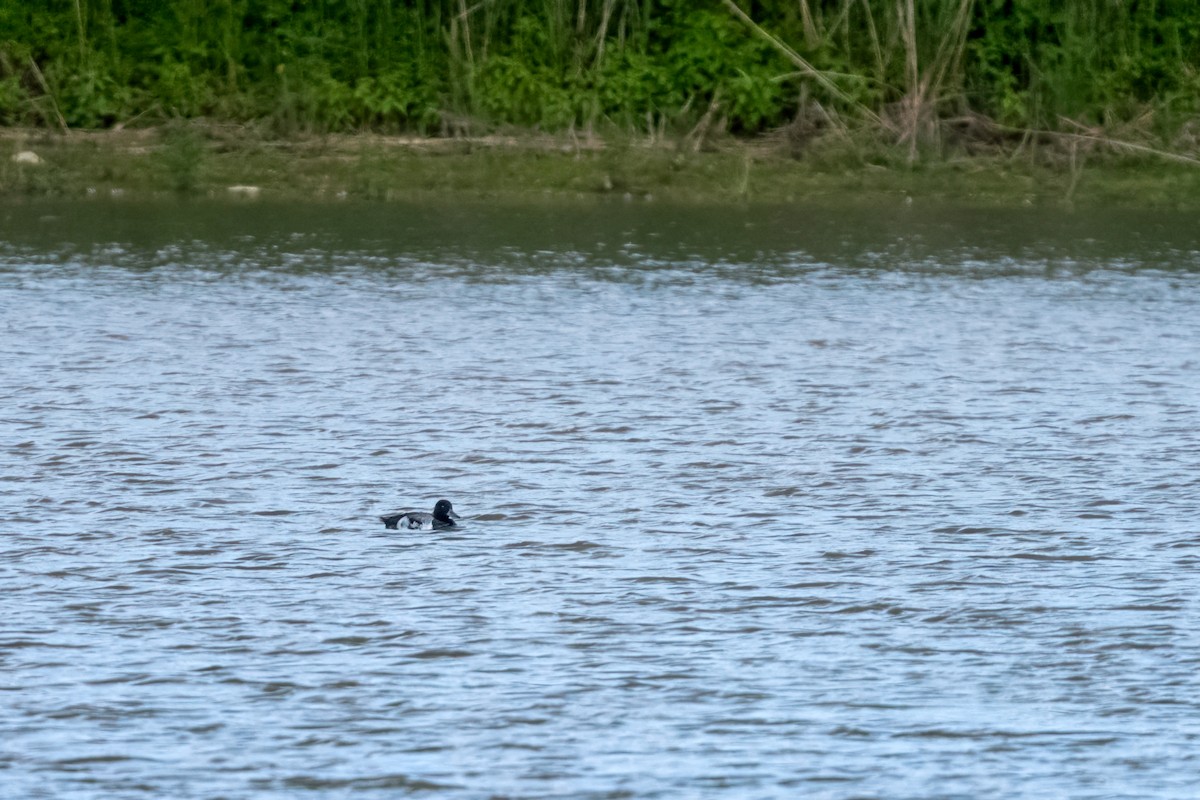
x: 443, y: 516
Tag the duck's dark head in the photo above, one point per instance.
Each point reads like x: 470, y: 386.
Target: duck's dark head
x: 444, y: 512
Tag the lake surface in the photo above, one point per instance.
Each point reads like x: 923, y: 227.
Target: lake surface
x: 758, y: 503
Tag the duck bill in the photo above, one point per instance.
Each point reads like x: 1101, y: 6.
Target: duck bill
x: 453, y: 515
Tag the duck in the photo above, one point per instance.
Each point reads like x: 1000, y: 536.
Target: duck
x: 443, y: 516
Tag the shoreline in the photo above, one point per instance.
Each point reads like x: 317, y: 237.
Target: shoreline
x: 228, y: 162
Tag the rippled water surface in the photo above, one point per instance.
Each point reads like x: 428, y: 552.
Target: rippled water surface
x: 759, y: 503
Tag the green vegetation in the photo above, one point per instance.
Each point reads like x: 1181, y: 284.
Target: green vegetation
x: 927, y: 75
x: 994, y: 101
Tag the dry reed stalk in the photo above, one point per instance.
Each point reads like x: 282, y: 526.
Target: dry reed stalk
x: 842, y: 19
x: 811, y: 37
x: 834, y: 122
x: 606, y: 11
x: 1029, y: 136
x: 817, y: 29
x: 912, y: 104
x: 874, y: 34
x: 41, y: 79
x: 1118, y: 144
x: 1076, y: 170
x: 696, y: 136
x: 806, y: 68
x: 465, y: 20
x: 923, y: 90
x: 953, y: 46
x: 82, y: 29
x: 748, y: 161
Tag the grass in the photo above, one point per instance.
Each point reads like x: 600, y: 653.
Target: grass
x: 205, y: 161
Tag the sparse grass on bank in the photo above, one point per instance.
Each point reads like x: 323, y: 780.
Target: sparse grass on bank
x: 216, y: 161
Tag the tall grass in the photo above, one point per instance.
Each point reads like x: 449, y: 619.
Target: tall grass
x: 901, y: 68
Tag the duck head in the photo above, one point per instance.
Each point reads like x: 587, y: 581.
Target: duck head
x: 444, y: 512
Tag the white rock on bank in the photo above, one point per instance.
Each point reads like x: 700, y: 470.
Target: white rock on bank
x: 27, y: 157
x: 244, y: 191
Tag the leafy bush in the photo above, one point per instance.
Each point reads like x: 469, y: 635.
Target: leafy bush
x: 382, y: 65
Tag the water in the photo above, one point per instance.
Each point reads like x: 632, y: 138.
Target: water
x: 760, y: 503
